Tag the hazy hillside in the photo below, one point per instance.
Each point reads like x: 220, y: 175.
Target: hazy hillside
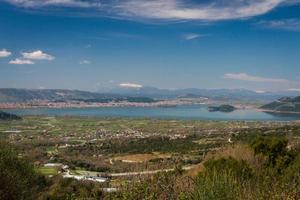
x: 287, y: 104
x: 23, y: 95
x: 27, y: 95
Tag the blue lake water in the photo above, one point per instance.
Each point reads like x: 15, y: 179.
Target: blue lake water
x: 198, y: 112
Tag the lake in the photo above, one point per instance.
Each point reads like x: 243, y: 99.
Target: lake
x: 199, y: 112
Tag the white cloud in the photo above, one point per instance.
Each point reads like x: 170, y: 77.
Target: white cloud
x: 4, y: 53
x: 19, y: 61
x: 192, y: 36
x: 168, y: 9
x: 37, y: 55
x: 247, y: 77
x: 284, y: 24
x: 84, y: 62
x: 130, y: 85
x: 215, y: 10
x: 294, y: 89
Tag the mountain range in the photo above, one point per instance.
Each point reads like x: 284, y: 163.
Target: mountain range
x: 217, y: 94
x: 8, y: 95
x: 143, y: 94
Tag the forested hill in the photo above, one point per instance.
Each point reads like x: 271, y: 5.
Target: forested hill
x: 286, y: 104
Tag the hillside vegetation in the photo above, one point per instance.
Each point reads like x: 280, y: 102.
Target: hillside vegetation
x: 265, y: 168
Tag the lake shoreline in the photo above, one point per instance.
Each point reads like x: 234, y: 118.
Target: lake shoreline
x: 193, y: 112
x: 278, y: 112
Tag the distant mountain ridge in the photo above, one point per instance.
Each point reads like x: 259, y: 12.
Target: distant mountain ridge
x: 217, y: 94
x: 286, y: 104
x: 143, y: 94
x: 13, y: 95
x: 25, y: 95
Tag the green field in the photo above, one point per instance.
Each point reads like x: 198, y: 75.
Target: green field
x: 47, y: 170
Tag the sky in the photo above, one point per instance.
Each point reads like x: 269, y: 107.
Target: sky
x: 97, y: 45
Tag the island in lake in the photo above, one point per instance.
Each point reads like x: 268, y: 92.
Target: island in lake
x: 8, y: 116
x: 222, y: 108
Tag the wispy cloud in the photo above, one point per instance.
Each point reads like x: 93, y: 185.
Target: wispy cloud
x: 4, y: 53
x: 37, y: 55
x: 192, y: 36
x: 84, y: 62
x: 19, y: 61
x: 130, y: 85
x: 247, y: 77
x: 66, y: 3
x: 283, y: 24
x: 166, y: 9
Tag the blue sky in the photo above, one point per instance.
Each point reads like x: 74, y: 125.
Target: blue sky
x: 96, y: 45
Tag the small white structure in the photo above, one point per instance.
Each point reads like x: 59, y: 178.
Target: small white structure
x: 88, y: 178
x: 65, y: 167
x: 53, y: 165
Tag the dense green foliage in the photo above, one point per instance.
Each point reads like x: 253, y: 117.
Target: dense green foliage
x: 18, y: 179
x: 275, y: 149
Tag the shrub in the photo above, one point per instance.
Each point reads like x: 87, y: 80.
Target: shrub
x: 275, y: 148
x: 62, y: 189
x: 18, y: 179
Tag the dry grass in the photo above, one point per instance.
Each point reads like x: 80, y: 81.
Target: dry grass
x: 238, y: 152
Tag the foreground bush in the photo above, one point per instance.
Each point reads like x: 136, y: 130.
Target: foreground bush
x: 18, y: 179
x: 70, y: 189
x: 275, y: 148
